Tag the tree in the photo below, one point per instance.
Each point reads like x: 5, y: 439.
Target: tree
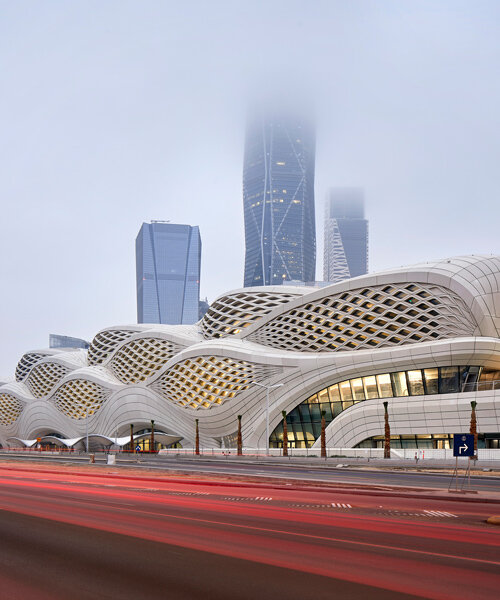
x: 387, y: 432
x: 152, y: 440
x: 473, y: 425
x: 285, y: 434
x: 197, y: 439
x: 323, y: 434
x: 240, y: 441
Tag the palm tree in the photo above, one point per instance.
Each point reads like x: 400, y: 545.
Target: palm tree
x: 240, y: 441
x: 323, y: 434
x: 152, y: 440
x: 285, y: 434
x: 197, y: 439
x: 132, y: 447
x: 387, y: 433
x: 473, y: 425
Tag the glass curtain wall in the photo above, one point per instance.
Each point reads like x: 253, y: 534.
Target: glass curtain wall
x: 304, y: 421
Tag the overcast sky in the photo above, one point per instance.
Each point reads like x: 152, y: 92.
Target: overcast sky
x: 114, y: 113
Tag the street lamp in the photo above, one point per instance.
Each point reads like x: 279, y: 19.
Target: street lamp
x: 268, y: 387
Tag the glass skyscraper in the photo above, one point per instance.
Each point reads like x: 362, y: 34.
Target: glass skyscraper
x: 168, y: 260
x: 346, y: 235
x: 278, y: 199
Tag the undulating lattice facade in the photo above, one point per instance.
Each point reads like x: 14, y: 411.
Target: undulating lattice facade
x: 424, y: 338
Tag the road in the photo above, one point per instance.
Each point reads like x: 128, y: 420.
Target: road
x: 261, y: 468
x: 73, y: 532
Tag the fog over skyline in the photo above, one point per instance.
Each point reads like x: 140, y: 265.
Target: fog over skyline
x: 115, y: 113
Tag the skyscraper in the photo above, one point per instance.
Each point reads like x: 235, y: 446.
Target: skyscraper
x: 278, y: 199
x: 168, y: 259
x: 346, y: 235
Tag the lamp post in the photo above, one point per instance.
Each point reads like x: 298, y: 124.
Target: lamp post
x: 267, y: 387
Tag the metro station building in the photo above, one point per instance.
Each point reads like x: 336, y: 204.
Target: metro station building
x: 425, y: 338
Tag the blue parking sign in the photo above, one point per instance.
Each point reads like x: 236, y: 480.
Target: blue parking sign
x: 463, y: 444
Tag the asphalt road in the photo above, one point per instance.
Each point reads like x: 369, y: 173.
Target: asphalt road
x: 261, y: 468
x: 358, y: 475
x: 76, y: 533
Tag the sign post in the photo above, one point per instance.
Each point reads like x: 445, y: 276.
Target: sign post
x: 463, y: 445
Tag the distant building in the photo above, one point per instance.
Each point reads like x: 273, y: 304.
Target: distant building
x: 346, y: 235
x: 66, y: 341
x: 203, y: 306
x: 168, y: 260
x: 278, y: 199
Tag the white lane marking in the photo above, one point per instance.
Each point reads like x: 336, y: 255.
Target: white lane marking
x: 340, y: 505
x: 439, y: 513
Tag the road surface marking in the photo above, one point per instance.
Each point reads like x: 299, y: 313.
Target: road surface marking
x: 439, y: 513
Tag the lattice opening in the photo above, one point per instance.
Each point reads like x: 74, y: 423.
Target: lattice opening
x: 10, y: 409
x: 105, y: 343
x: 80, y: 397
x: 140, y: 359
x: 209, y: 381
x: 382, y: 316
x: 44, y: 377
x: 229, y: 315
x: 26, y: 363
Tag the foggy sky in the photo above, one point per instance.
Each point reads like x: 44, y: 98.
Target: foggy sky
x: 115, y: 113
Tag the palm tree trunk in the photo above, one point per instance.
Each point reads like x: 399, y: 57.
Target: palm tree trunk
x: 240, y: 441
x: 323, y: 434
x: 285, y: 434
x: 473, y: 425
x: 132, y: 447
x: 197, y: 439
x: 152, y: 440
x: 387, y: 433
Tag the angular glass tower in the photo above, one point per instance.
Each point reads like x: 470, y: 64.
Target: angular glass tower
x: 346, y: 235
x: 278, y: 199
x: 168, y: 260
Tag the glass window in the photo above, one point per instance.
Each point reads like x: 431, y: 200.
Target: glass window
x: 431, y: 381
x: 334, y: 393
x: 323, y: 396
x: 357, y: 389
x: 316, y: 430
x: 415, y: 382
x: 400, y: 385
x: 315, y: 410
x: 304, y: 413
x: 313, y: 399
x: 468, y: 378
x: 327, y: 407
x: 448, y: 380
x: 345, y: 391
x: 370, y: 384
x: 384, y: 385
x: 336, y: 408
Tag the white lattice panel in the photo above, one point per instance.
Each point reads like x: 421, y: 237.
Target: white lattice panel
x: 10, y: 409
x: 141, y: 358
x: 370, y: 318
x: 105, y: 343
x: 44, y: 377
x: 207, y: 381
x: 26, y: 363
x: 80, y: 397
x: 230, y: 314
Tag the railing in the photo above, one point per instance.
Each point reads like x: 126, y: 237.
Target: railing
x: 481, y: 386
